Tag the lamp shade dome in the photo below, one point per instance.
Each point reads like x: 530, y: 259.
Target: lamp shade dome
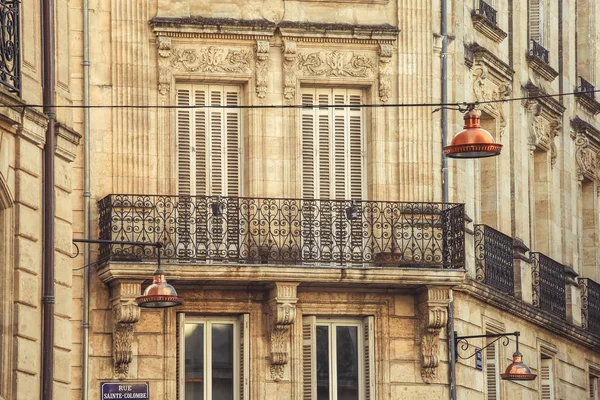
x: 518, y: 370
x: 473, y: 141
x: 159, y: 294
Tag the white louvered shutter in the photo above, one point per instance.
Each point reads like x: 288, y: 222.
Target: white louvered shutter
x: 594, y: 388
x: 546, y: 380
x: 309, y: 358
x: 180, y: 352
x: 492, y: 382
x: 536, y: 20
x: 244, y: 322
x: 184, y: 141
x: 209, y: 140
x: 332, y: 145
x: 369, y: 357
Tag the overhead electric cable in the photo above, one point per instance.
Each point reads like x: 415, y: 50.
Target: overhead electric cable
x: 458, y: 105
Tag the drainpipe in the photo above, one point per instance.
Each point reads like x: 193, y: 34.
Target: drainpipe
x: 48, y: 206
x: 450, y: 333
x: 444, y: 100
x: 85, y: 323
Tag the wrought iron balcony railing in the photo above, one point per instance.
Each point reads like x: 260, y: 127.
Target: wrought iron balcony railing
x: 548, y: 278
x: 586, y: 89
x: 487, y: 11
x: 590, y: 304
x: 201, y: 229
x: 494, y: 259
x: 538, y: 51
x: 10, y: 59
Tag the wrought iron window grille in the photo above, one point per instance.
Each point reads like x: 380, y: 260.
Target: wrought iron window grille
x: 548, y: 281
x: 488, y: 12
x: 538, y: 51
x: 208, y: 229
x: 10, y: 57
x: 494, y: 259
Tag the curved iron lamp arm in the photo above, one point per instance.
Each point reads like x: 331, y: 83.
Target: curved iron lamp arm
x: 464, y: 342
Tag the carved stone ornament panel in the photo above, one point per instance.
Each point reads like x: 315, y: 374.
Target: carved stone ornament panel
x: 433, y: 314
x: 262, y: 67
x: 282, y: 307
x: 385, y: 81
x: 543, y: 128
x: 485, y: 89
x: 336, y: 64
x: 588, y: 159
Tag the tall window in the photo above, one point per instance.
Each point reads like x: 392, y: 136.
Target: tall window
x: 213, y: 358
x: 594, y: 387
x: 537, y: 21
x: 332, y: 145
x: 338, y: 361
x: 208, y: 140
x: 547, y: 378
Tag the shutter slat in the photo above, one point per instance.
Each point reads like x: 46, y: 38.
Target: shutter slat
x: 200, y: 141
x: 324, y: 148
x: 546, y: 379
x: 233, y: 143
x: 216, y: 142
x: 491, y: 372
x: 309, y: 358
x: 308, y: 148
x: 184, y: 145
x: 369, y: 357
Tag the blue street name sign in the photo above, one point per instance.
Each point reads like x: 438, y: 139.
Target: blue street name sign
x: 478, y: 360
x: 124, y: 391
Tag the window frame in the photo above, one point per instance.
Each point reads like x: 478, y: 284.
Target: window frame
x: 241, y: 344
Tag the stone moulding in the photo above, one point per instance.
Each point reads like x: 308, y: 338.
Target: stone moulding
x: 483, y: 25
x: 432, y: 305
x: 589, y: 104
x: 282, y: 308
x: 126, y: 314
x: 540, y: 67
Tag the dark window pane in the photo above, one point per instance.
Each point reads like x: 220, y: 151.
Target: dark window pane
x: 347, y: 362
x: 222, y: 362
x: 194, y: 362
x: 322, y: 363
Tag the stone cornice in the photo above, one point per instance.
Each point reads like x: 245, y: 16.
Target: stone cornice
x: 529, y: 313
x: 550, y: 104
x: 582, y: 126
x: 541, y: 68
x: 589, y: 104
x: 388, y: 277
x: 498, y: 69
x: 483, y: 25
x: 239, y: 29
x: 67, y: 142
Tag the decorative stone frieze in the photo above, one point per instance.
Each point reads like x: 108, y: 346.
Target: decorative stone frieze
x: 545, y: 121
x: 433, y: 313
x: 211, y: 59
x: 262, y: 67
x: 126, y: 313
x: 282, y: 307
x: 385, y: 81
x: 336, y: 64
x: 290, y: 55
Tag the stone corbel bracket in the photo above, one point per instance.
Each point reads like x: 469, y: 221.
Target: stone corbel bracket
x: 163, y: 45
x: 289, y: 50
x: 262, y: 67
x: 433, y: 313
x: 282, y: 305
x: 126, y: 314
x: 385, y: 82
x: 587, y: 150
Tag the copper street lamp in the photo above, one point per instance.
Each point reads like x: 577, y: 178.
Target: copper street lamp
x: 473, y: 141
x: 517, y: 371
x: 159, y: 294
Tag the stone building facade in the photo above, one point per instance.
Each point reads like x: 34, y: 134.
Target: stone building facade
x: 253, y: 109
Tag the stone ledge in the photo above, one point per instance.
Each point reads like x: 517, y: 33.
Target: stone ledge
x: 529, y: 313
x: 483, y: 25
x: 591, y: 105
x: 542, y: 68
x: 310, y: 275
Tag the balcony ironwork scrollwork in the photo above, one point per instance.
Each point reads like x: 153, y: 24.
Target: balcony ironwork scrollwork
x: 210, y: 229
x: 487, y: 11
x: 548, y: 278
x: 590, y: 304
x: 494, y: 259
x: 10, y: 60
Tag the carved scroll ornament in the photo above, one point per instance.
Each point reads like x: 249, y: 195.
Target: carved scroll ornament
x: 262, y: 67
x: 543, y: 128
x: 433, y: 312
x: 282, y: 304
x: 485, y: 89
x: 289, y: 69
x: 336, y: 64
x: 126, y: 314
x: 211, y: 59
x: 385, y: 81
x: 588, y: 160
